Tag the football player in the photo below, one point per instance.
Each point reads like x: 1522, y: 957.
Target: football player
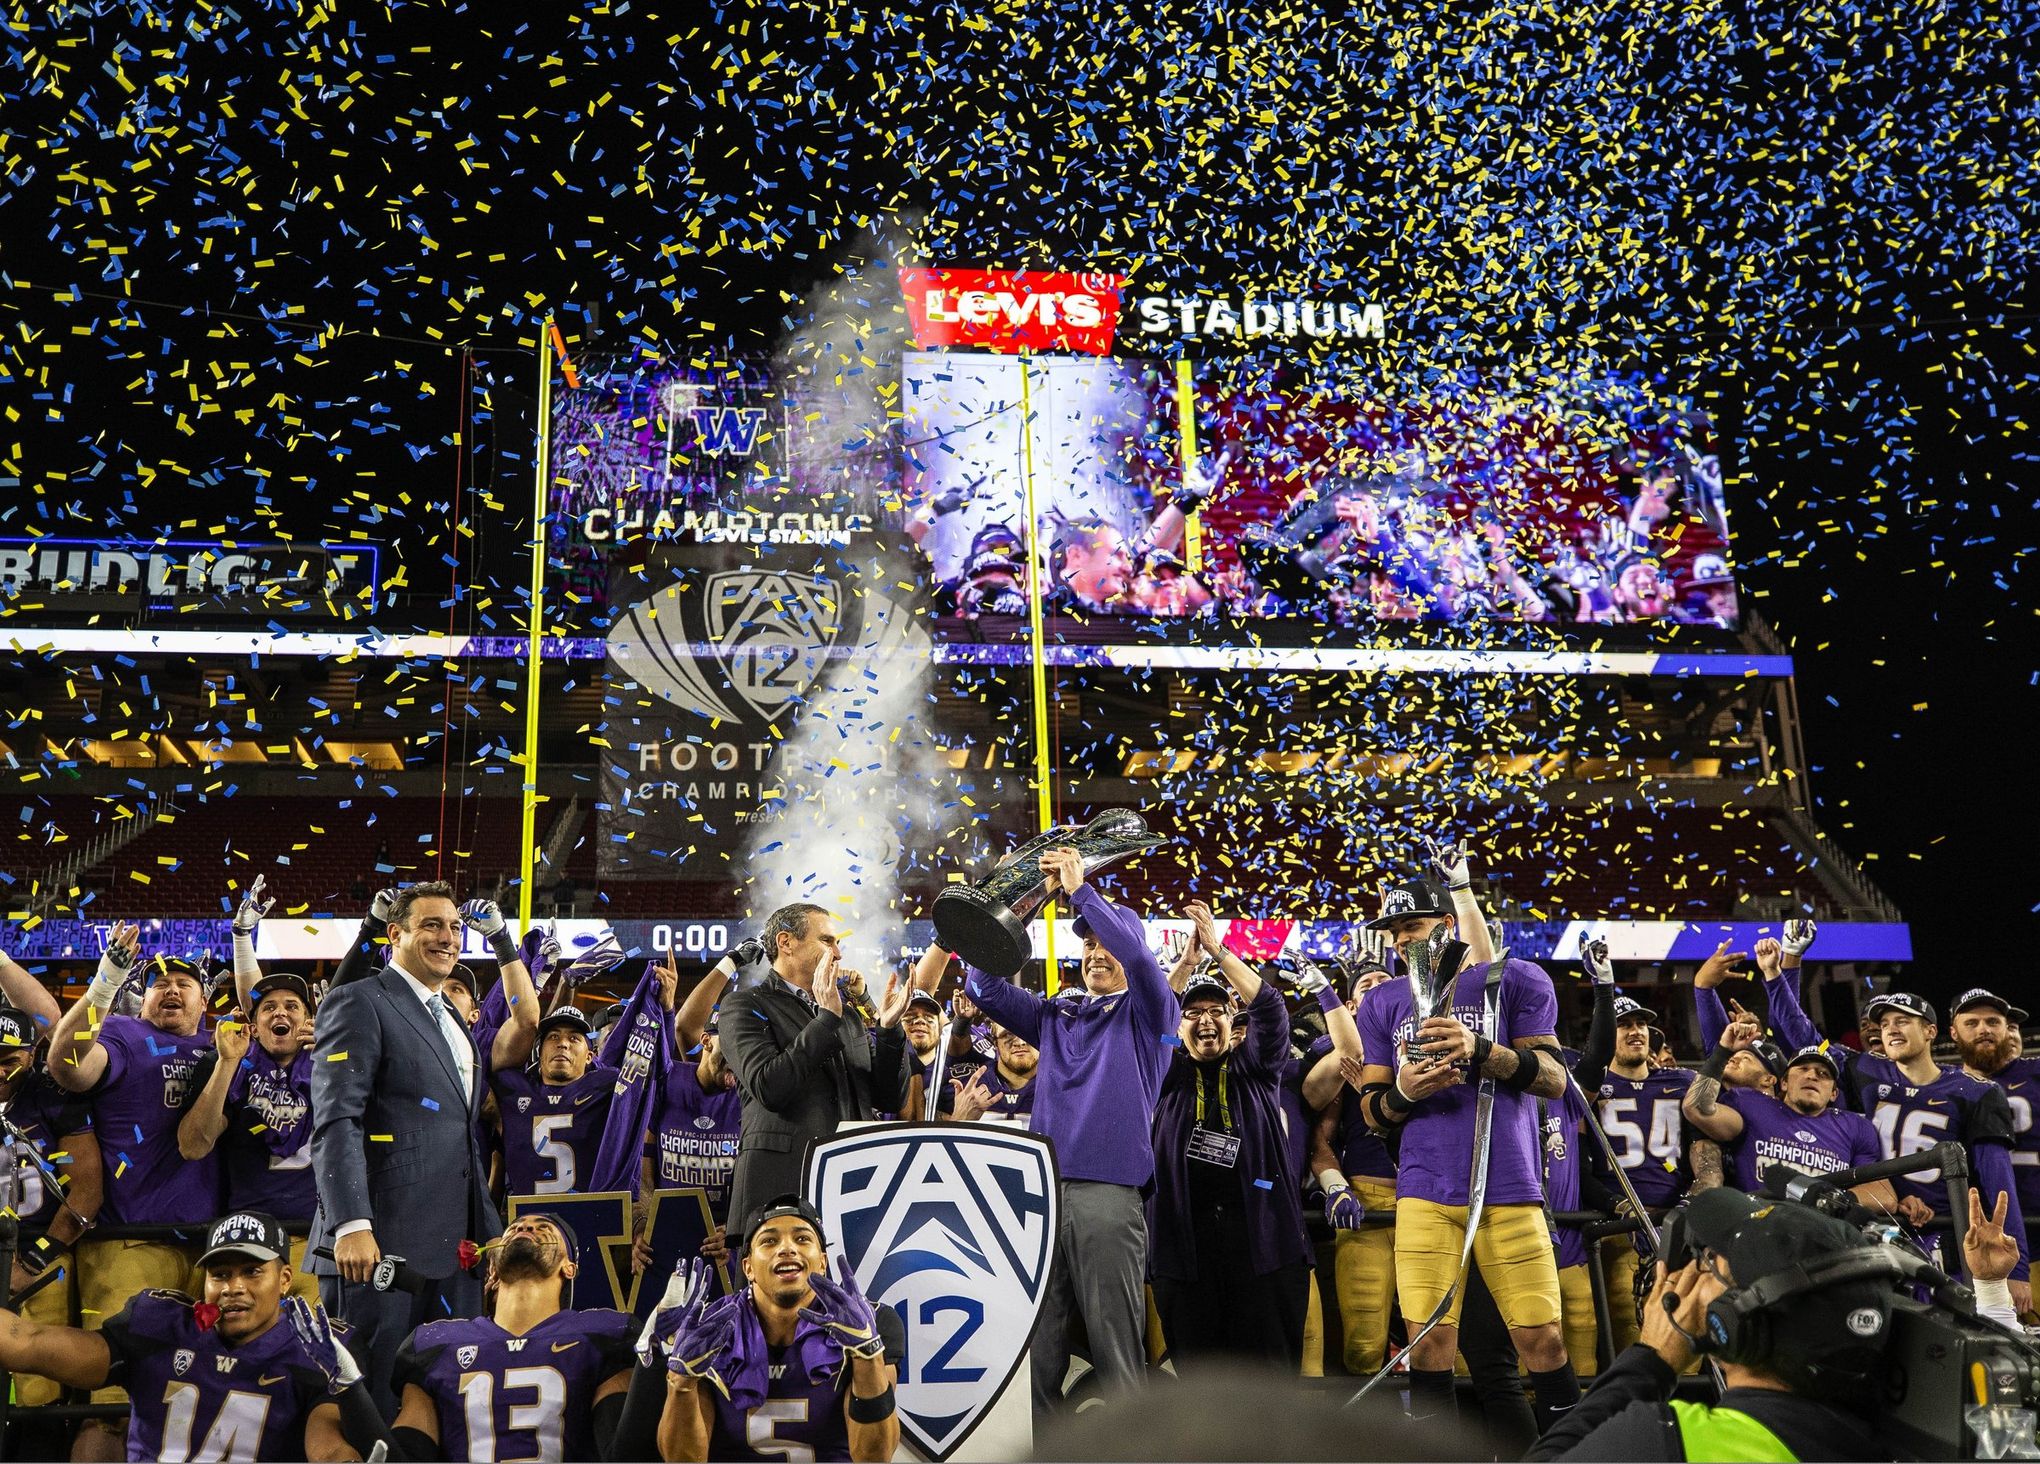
x: 534, y: 1379
x: 793, y: 1366
x: 247, y: 1373
x: 253, y: 1099
x: 695, y: 1131
x: 1003, y: 1090
x: 1803, y: 1130
x: 553, y: 1118
x: 1985, y: 1029
x: 1419, y: 1083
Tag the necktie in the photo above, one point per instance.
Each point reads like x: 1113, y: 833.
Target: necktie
x: 436, y: 1004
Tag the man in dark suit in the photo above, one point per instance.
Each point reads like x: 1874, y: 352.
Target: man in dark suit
x: 396, y: 1084
x: 803, y: 1064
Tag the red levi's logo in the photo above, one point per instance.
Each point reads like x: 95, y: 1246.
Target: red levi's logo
x: 1013, y: 310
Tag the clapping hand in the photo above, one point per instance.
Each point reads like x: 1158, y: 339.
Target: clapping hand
x: 1199, y: 915
x: 248, y: 915
x: 840, y: 1309
x: 828, y: 996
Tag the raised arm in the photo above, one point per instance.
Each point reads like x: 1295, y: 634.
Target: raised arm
x: 1008, y: 1005
x: 26, y: 994
x: 519, y: 1033
x: 1322, y: 1082
x: 1716, y: 969
x: 206, y: 1119
x: 364, y: 957
x: 1238, y: 974
x: 1120, y: 932
x: 247, y: 920
x: 1600, y: 1051
x: 77, y: 1060
x: 690, y: 1022
x: 1781, y: 994
x: 1450, y: 860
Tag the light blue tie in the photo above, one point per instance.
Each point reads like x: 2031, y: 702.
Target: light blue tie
x: 436, y: 1004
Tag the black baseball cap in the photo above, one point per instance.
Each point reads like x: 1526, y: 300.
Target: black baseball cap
x: 1822, y: 1336
x: 1411, y: 897
x: 1771, y: 1055
x: 465, y: 975
x: 1203, y: 985
x: 927, y: 999
x: 1902, y: 1001
x: 17, y: 1028
x: 566, y: 1016
x: 1816, y: 1054
x: 1976, y: 996
x: 779, y: 1209
x: 250, y: 1233
x: 1627, y: 1007
x: 279, y: 981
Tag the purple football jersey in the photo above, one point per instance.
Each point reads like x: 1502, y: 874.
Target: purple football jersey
x: 45, y: 1114
x: 799, y: 1419
x: 1437, y: 1139
x: 1641, y: 1118
x: 1562, y: 1121
x: 1776, y: 1133
x: 135, y: 1108
x: 551, y: 1133
x: 1362, y: 1153
x: 268, y: 1142
x: 504, y: 1397
x: 696, y: 1135
x: 2020, y: 1078
x: 194, y: 1397
x: 1909, y: 1117
x: 1009, y: 1100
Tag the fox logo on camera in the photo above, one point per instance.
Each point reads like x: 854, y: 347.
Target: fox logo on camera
x: 954, y: 1228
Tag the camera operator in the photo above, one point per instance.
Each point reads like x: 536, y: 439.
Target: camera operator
x: 1803, y: 1365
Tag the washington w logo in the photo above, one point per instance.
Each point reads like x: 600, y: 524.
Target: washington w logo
x: 727, y: 429
x: 955, y: 1231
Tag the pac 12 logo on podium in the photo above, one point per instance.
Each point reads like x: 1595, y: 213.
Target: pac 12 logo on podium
x: 953, y: 1226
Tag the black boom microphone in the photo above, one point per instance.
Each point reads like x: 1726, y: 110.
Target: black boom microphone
x: 391, y: 1274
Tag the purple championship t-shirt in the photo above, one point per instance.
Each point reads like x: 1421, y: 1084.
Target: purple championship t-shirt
x: 195, y: 1397
x: 135, y: 1109
x: 1437, y: 1139
x: 694, y: 1134
x: 2020, y: 1078
x: 799, y: 1418
x: 267, y: 1147
x: 1641, y: 1118
x: 1776, y: 1133
x: 1562, y: 1119
x: 528, y: 1397
x: 45, y: 1114
x: 551, y: 1133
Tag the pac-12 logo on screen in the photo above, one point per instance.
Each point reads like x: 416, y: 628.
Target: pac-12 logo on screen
x: 954, y: 1228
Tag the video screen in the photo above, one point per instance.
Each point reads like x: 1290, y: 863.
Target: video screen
x: 1600, y: 503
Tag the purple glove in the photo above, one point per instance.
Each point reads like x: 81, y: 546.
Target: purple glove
x: 687, y: 1296
x: 1343, y: 1210
x: 704, y: 1337
x: 843, y: 1312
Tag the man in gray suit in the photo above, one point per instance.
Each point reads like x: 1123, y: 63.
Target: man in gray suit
x: 803, y: 1064
x: 396, y: 1085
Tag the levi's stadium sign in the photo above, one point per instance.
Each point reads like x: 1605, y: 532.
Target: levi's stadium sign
x: 1015, y: 311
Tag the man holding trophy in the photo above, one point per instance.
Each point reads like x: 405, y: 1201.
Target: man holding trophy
x: 1103, y: 1054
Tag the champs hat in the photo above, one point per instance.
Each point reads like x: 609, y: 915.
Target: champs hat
x: 566, y: 1016
x: 1711, y: 569
x: 779, y: 1209
x: 17, y: 1029
x: 1976, y: 996
x: 1820, y: 1055
x: 926, y: 999
x: 1902, y: 1001
x: 247, y: 1233
x: 1203, y: 986
x: 1411, y: 897
x: 1771, y: 1055
x: 280, y: 981
x: 1626, y: 1007
x: 1820, y: 1338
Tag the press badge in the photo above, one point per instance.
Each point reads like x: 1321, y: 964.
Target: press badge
x: 1211, y: 1147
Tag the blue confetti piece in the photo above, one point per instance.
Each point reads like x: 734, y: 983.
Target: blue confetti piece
x: 430, y: 1103
x: 1264, y: 1184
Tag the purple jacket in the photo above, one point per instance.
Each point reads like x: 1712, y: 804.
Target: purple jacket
x: 1269, y: 1188
x: 1101, y: 1057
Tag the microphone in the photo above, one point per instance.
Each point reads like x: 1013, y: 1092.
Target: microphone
x: 391, y: 1274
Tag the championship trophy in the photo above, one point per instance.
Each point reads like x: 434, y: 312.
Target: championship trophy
x: 986, y: 923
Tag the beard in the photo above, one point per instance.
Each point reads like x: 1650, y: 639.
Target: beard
x: 1988, y: 1053
x: 523, y: 1259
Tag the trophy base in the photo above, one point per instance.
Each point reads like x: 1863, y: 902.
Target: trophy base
x: 983, y: 931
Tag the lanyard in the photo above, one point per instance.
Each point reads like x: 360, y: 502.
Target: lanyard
x: 1224, y: 1105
